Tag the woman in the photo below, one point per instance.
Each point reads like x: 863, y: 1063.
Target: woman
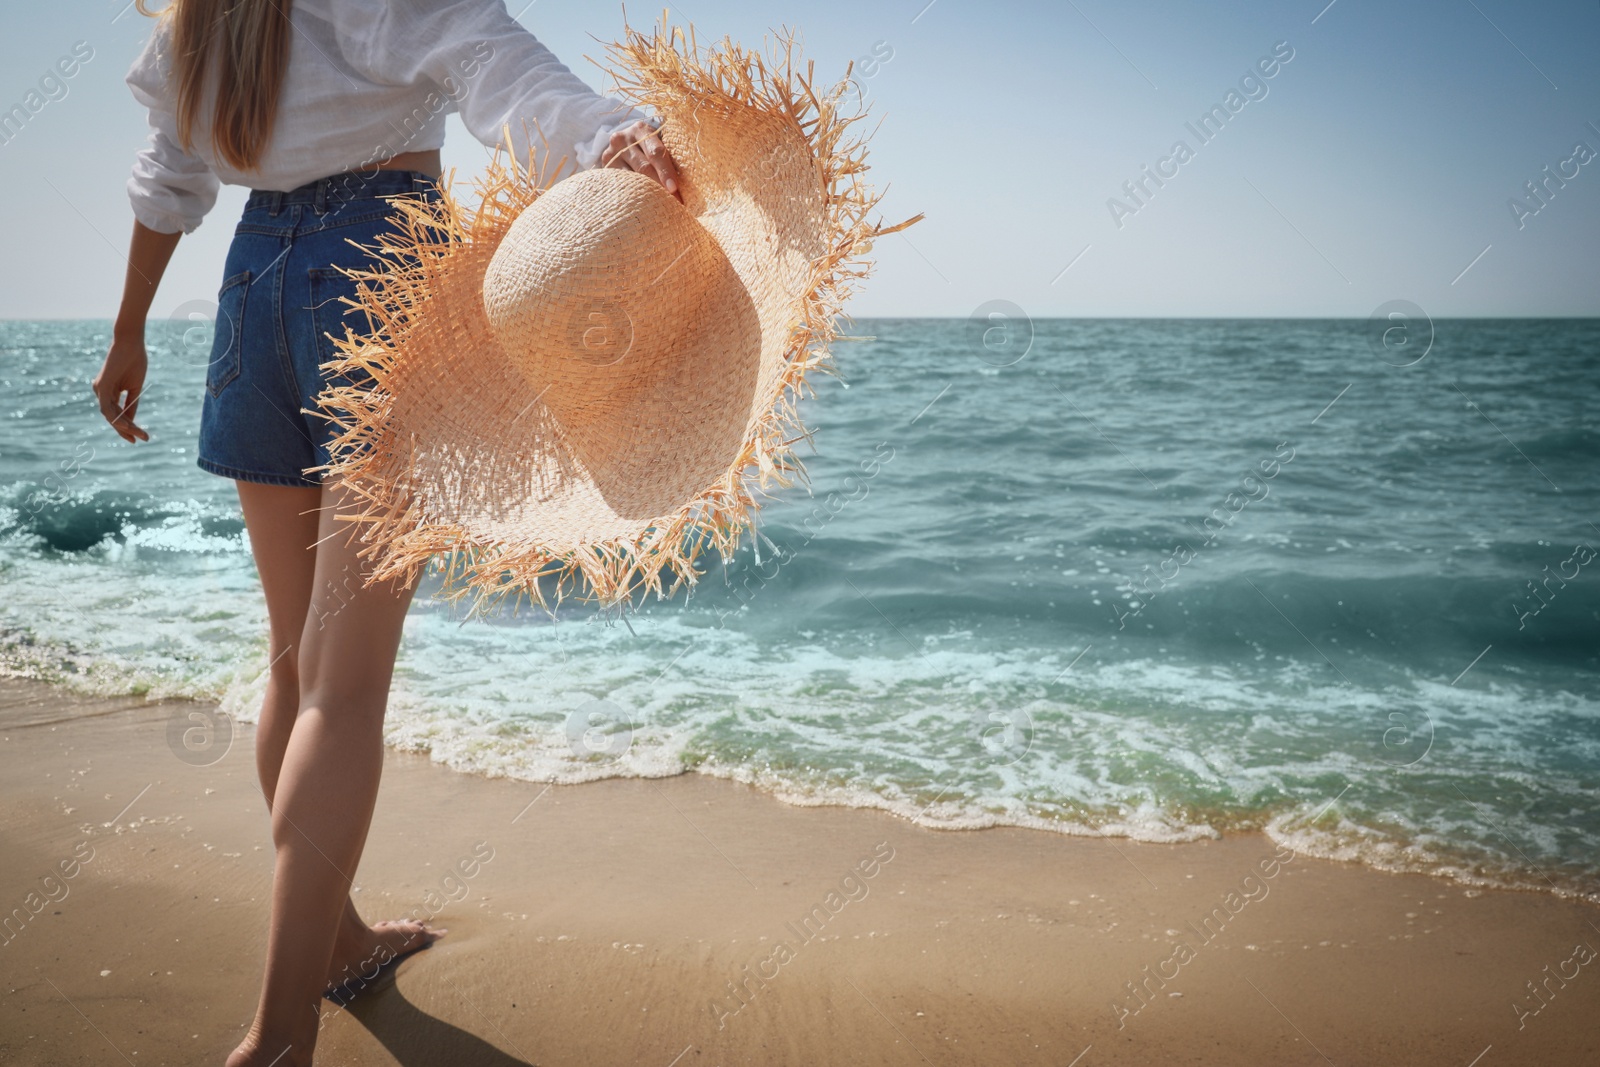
x: 327, y: 109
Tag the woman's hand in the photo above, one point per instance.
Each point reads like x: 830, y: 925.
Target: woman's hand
x: 637, y: 147
x: 121, y: 377
x: 119, y: 383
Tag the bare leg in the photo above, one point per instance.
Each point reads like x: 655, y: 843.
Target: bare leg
x: 325, y: 790
x: 283, y: 531
x: 282, y: 521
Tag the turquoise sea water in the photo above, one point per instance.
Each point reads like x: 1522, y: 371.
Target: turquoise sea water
x: 1143, y: 581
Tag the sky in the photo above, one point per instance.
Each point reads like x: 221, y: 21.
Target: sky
x: 1379, y: 162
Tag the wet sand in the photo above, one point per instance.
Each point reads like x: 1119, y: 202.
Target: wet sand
x: 691, y: 921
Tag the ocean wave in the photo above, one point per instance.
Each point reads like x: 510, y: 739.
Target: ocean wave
x: 81, y: 520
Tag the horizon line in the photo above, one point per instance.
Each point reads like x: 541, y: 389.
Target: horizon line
x: 1576, y: 317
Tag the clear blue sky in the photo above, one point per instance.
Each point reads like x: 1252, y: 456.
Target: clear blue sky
x: 1378, y: 165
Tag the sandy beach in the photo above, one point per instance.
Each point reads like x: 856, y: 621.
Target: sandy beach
x: 694, y: 921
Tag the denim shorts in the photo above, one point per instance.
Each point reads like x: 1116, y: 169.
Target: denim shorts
x: 280, y: 300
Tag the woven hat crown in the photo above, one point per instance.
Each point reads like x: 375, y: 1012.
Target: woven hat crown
x: 601, y: 285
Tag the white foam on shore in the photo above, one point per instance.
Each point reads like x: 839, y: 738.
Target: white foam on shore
x: 1146, y: 750
x: 1351, y: 842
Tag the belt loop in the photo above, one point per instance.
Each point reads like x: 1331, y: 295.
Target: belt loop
x: 322, y: 196
x: 275, y: 199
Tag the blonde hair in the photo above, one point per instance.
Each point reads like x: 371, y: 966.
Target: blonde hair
x: 249, y: 42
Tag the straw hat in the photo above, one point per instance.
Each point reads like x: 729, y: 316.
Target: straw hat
x: 575, y: 389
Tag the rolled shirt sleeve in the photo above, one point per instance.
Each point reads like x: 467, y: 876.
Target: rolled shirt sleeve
x: 171, y: 188
x: 498, y: 76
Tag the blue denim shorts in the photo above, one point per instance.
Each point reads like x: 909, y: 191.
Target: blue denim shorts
x: 280, y: 300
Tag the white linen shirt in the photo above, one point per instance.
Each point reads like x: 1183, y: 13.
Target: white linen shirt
x: 366, y: 80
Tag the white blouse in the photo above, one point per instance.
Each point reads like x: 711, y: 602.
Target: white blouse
x: 366, y: 80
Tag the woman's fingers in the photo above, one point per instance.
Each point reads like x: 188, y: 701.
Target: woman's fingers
x: 123, y: 422
x: 660, y: 161
x: 613, y: 155
x: 119, y: 414
x: 639, y: 148
x: 108, y: 408
x: 624, y: 151
x: 126, y: 415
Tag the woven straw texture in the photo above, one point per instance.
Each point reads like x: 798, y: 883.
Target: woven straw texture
x: 576, y: 390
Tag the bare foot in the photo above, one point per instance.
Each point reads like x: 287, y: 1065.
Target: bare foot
x: 360, y: 950
x: 255, y: 1051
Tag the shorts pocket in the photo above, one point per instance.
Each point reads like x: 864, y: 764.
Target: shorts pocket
x: 331, y: 315
x: 227, y: 336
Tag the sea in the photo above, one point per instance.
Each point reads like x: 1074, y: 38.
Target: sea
x: 1152, y: 579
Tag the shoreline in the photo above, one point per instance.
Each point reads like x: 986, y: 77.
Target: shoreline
x: 639, y: 920
x: 1286, y: 827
